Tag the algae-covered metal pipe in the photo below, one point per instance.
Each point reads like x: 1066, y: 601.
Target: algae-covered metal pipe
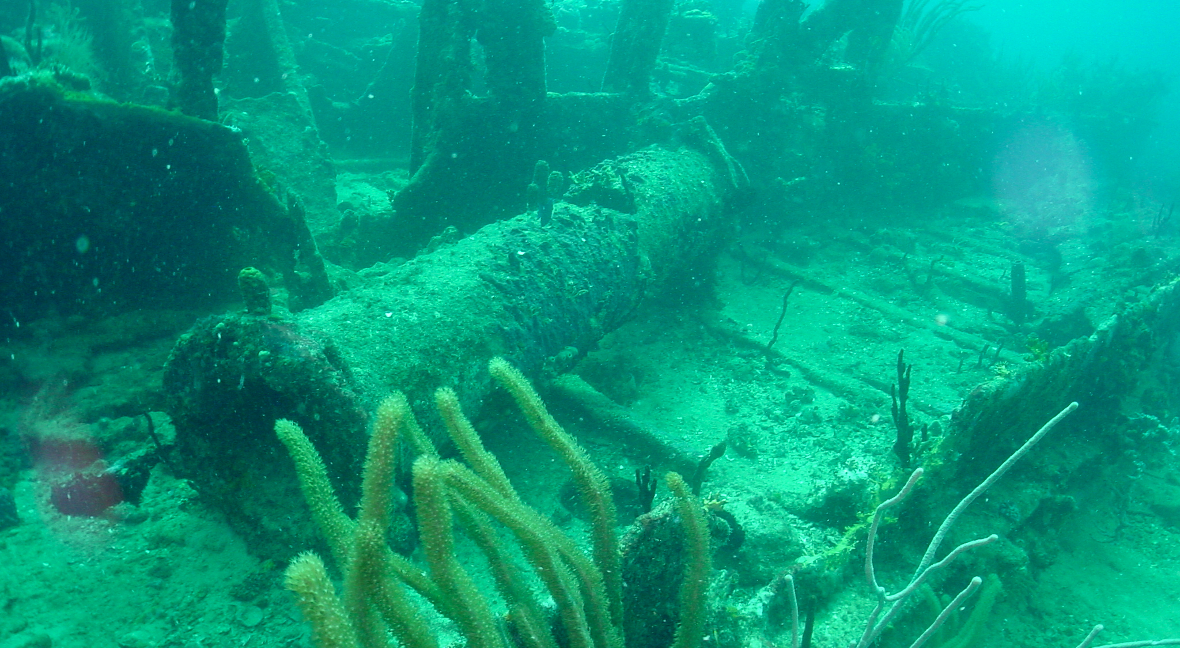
x: 533, y: 293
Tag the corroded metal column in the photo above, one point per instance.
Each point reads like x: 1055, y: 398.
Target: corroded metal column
x: 536, y: 294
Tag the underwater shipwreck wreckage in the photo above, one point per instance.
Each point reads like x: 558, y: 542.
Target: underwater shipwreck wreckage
x: 1101, y: 367
x: 537, y: 294
x: 539, y: 291
x: 592, y: 604
x: 589, y: 594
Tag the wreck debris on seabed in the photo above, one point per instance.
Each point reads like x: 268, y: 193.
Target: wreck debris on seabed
x: 775, y: 277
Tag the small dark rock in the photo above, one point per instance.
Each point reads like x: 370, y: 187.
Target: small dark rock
x: 8, y: 515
